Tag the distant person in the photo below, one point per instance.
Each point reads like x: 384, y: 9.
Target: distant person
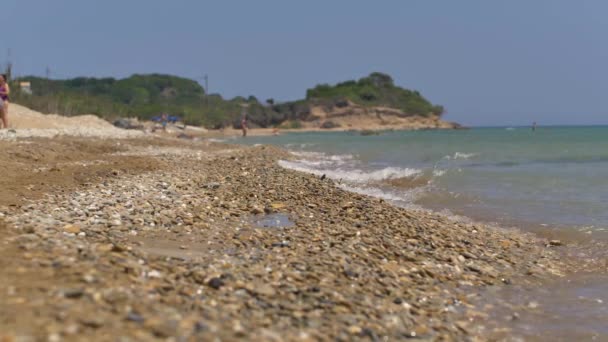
x: 164, y: 119
x: 244, y: 124
x: 534, y: 126
x: 4, y: 99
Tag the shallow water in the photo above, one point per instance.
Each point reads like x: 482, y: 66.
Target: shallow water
x: 273, y: 221
x: 571, y: 309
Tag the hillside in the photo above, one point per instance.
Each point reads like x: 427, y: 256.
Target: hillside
x: 145, y: 96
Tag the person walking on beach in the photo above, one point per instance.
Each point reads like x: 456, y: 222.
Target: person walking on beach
x: 4, y: 98
x: 164, y: 118
x: 244, y: 124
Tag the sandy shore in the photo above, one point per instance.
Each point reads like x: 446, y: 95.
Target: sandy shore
x: 147, y: 239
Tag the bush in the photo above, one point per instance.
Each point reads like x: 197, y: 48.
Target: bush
x: 295, y: 124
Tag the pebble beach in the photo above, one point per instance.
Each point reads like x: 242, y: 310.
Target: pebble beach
x: 156, y: 238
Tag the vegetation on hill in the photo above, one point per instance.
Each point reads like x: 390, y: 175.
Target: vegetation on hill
x: 145, y: 96
x: 376, y: 89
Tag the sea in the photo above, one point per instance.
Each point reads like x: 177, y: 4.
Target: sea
x: 551, y: 181
x: 555, y: 177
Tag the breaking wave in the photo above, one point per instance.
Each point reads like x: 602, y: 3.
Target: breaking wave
x: 356, y: 176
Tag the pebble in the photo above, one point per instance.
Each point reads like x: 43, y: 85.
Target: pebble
x: 215, y: 283
x: 70, y: 228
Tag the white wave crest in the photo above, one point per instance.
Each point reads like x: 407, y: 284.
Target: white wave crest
x: 462, y: 155
x: 315, y: 159
x: 439, y: 172
x: 302, y: 145
x: 353, y: 175
x: 402, y: 197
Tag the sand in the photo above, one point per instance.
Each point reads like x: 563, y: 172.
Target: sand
x: 25, y: 122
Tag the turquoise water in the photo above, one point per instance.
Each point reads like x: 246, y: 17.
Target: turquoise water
x: 554, y: 176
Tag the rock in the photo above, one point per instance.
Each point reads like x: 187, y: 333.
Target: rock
x: 162, y: 327
x: 354, y: 330
x: 263, y: 289
x: 215, y: 283
x: 25, y: 238
x: 72, y: 229
x: 107, y: 247
x: 556, y: 243
x: 73, y: 293
x: 277, y: 205
x: 92, y: 322
x: 134, y: 317
x: 154, y: 274
x: 212, y: 185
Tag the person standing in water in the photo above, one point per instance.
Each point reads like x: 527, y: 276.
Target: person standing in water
x: 534, y: 126
x: 4, y: 98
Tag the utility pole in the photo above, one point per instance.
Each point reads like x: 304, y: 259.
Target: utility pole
x: 9, y: 64
x: 207, y: 91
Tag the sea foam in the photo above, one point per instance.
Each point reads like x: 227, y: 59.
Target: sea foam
x: 349, y: 175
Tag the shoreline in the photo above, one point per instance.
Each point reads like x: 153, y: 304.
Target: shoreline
x: 254, y: 132
x: 352, y: 266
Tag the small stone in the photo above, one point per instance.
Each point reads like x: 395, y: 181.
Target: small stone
x: 463, y: 325
x: 135, y: 317
x: 398, y: 301
x: 354, y: 330
x: 277, y: 205
x: 73, y: 293
x: 89, y: 278
x: 105, y: 247
x: 264, y: 289
x: 161, y: 327
x: 215, y: 283
x: 556, y: 243
x: 72, y: 229
x: 421, y: 330
x: 25, y: 238
x: 154, y: 274
x: 92, y: 322
x: 71, y: 329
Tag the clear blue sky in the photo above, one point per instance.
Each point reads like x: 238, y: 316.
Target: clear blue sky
x: 488, y: 62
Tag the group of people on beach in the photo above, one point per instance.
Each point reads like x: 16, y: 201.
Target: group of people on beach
x: 4, y: 99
